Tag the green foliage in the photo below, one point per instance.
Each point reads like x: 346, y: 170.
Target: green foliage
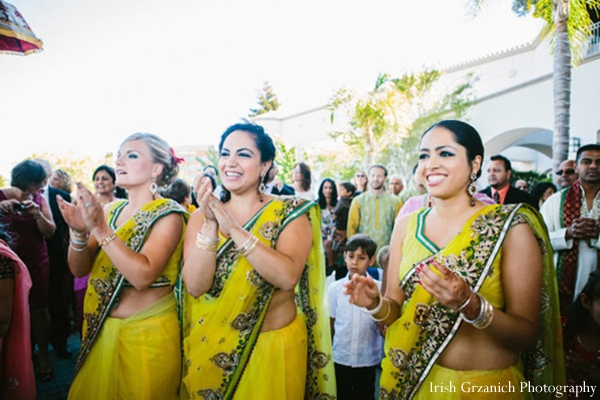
x: 286, y: 158
x: 578, y: 23
x: 386, y: 123
x: 267, y: 101
x: 531, y: 177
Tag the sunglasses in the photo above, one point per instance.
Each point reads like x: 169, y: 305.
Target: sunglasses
x: 569, y: 171
x: 360, y: 176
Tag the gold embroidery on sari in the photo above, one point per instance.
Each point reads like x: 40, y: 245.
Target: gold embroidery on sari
x: 105, y: 279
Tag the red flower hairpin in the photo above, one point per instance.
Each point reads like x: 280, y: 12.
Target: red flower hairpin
x: 176, y: 160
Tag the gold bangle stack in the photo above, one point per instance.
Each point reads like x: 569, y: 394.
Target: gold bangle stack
x: 206, y: 243
x: 248, y: 246
x: 486, y: 314
x: 109, y: 238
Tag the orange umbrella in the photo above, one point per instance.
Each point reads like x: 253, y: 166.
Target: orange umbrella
x: 16, y: 37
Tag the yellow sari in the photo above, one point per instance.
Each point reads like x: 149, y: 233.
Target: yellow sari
x: 226, y: 355
x: 416, y: 340
x: 138, y: 357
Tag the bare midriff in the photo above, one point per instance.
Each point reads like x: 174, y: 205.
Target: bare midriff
x: 474, y: 349
x: 131, y: 300
x: 281, y: 311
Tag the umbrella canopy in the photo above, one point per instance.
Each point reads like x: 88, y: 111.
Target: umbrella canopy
x: 16, y: 36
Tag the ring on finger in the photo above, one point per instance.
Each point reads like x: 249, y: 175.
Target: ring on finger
x: 88, y: 204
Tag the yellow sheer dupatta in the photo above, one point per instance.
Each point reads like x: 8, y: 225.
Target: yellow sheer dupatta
x: 106, y: 281
x: 222, y: 326
x: 416, y: 340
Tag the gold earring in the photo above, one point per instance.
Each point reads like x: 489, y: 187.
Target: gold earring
x: 472, y: 189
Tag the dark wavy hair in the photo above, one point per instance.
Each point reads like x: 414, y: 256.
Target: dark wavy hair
x: 263, y: 142
x: 109, y: 170
x: 306, y: 178
x: 576, y: 314
x: 465, y: 135
x: 27, y: 173
x: 540, y: 188
x: 334, y: 194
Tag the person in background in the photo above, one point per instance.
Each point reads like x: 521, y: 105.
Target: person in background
x: 567, y: 174
x: 582, y: 335
x: 104, y: 182
x: 302, y: 181
x: 373, y: 212
x: 572, y: 217
x: 213, y: 172
x: 131, y: 341
x: 60, y: 285
x: 471, y: 291
x: 328, y: 199
x: 60, y: 179
x: 542, y: 191
x: 244, y: 260
x: 26, y: 213
x: 360, y: 181
x: 17, y: 380
x: 346, y: 192
x: 396, y: 185
x: 522, y: 184
x: 277, y: 186
x: 500, y: 190
x: 357, y: 343
x: 180, y: 191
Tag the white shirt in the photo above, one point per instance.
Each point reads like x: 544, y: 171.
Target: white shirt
x: 310, y: 196
x: 586, y: 256
x: 356, y: 341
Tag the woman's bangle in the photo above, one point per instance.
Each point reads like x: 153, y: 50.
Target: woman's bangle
x: 387, y: 314
x: 486, y: 314
x: 376, y: 309
x: 77, y: 249
x: 248, y: 246
x: 79, y: 235
x: 38, y: 216
x: 207, y: 244
x: 78, y: 242
x: 107, y: 239
x: 466, y: 303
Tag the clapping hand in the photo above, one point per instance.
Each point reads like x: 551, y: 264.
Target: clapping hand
x: 84, y: 216
x: 363, y: 291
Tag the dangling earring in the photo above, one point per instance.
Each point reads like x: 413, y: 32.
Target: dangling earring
x: 153, y: 187
x: 472, y: 189
x: 261, y: 188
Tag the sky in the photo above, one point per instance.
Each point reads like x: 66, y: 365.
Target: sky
x: 187, y: 69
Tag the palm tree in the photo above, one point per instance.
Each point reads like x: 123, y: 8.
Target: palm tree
x: 568, y: 24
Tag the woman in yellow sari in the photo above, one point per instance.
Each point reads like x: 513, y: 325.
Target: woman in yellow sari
x: 131, y: 347
x: 471, y: 297
x: 255, y: 323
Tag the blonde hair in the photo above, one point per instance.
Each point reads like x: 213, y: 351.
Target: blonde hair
x: 161, y: 153
x: 64, y: 178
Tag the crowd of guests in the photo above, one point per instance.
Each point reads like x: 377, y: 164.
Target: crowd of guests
x: 240, y: 285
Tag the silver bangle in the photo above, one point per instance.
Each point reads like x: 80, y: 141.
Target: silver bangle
x: 466, y: 303
x: 376, y: 309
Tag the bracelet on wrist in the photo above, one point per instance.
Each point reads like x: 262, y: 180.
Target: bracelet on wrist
x: 38, y: 216
x: 107, y: 239
x: 486, y: 314
x: 207, y: 244
x: 77, y: 249
x: 376, y: 309
x: 465, y: 303
x: 79, y: 235
x: 248, y: 246
x: 387, y: 314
